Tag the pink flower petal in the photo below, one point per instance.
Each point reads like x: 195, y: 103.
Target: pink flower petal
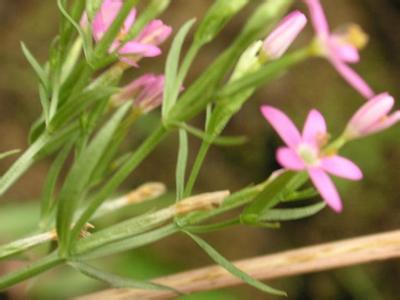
x: 282, y: 125
x: 352, y: 78
x: 289, y: 159
x: 314, y: 128
x: 140, y: 49
x: 341, y: 167
x: 318, y: 18
x: 326, y: 188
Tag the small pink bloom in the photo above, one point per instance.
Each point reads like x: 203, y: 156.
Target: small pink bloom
x: 145, y: 45
x: 146, y: 92
x: 340, y: 49
x: 373, y: 117
x: 280, y: 39
x: 304, y: 151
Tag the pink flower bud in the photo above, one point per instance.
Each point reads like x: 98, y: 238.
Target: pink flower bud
x: 280, y: 39
x: 146, y: 92
x: 373, y: 117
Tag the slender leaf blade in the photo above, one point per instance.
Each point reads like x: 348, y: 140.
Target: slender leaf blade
x: 115, y: 280
x: 231, y: 268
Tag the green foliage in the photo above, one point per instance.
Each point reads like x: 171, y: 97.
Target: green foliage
x: 85, y: 131
x: 114, y: 280
x: 231, y: 268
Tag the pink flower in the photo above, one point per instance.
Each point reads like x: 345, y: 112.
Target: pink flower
x: 280, y: 39
x: 146, y: 92
x: 372, y: 117
x: 305, y: 152
x: 145, y: 45
x: 340, y: 49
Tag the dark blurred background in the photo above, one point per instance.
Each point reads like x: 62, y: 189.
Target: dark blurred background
x: 370, y: 206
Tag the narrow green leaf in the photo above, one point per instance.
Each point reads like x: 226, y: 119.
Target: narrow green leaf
x: 9, y: 153
x: 268, y: 198
x: 50, y: 184
x: 210, y: 138
x: 231, y: 268
x: 24, y: 244
x: 87, y: 45
x: 40, y: 72
x: 79, y: 176
x: 212, y: 227
x: 300, y: 195
x: 172, y: 87
x: 181, y: 163
x: 82, y: 251
x: 24, y: 162
x: 35, y: 268
x: 115, y: 280
x: 290, y: 214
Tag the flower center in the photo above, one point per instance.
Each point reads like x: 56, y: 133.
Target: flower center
x: 352, y: 34
x: 308, y: 154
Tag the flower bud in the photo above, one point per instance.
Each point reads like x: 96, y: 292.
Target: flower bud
x: 280, y: 39
x: 372, y: 117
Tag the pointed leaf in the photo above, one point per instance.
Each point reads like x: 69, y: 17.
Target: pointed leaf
x: 231, y: 268
x: 172, y: 87
x: 40, y: 72
x: 290, y: 214
x: 115, y: 280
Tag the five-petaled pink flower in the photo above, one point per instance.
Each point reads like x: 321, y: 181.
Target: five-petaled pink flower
x: 146, y: 92
x: 280, y: 39
x: 340, y: 48
x: 145, y: 45
x: 372, y: 117
x: 305, y: 152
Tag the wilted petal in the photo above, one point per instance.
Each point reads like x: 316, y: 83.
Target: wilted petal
x: 314, y: 130
x: 280, y: 39
x: 352, y: 78
x: 318, y: 18
x: 341, y: 167
x: 289, y: 159
x: 326, y: 188
x: 282, y: 125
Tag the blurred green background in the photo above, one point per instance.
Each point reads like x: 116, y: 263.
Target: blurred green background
x: 370, y: 206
